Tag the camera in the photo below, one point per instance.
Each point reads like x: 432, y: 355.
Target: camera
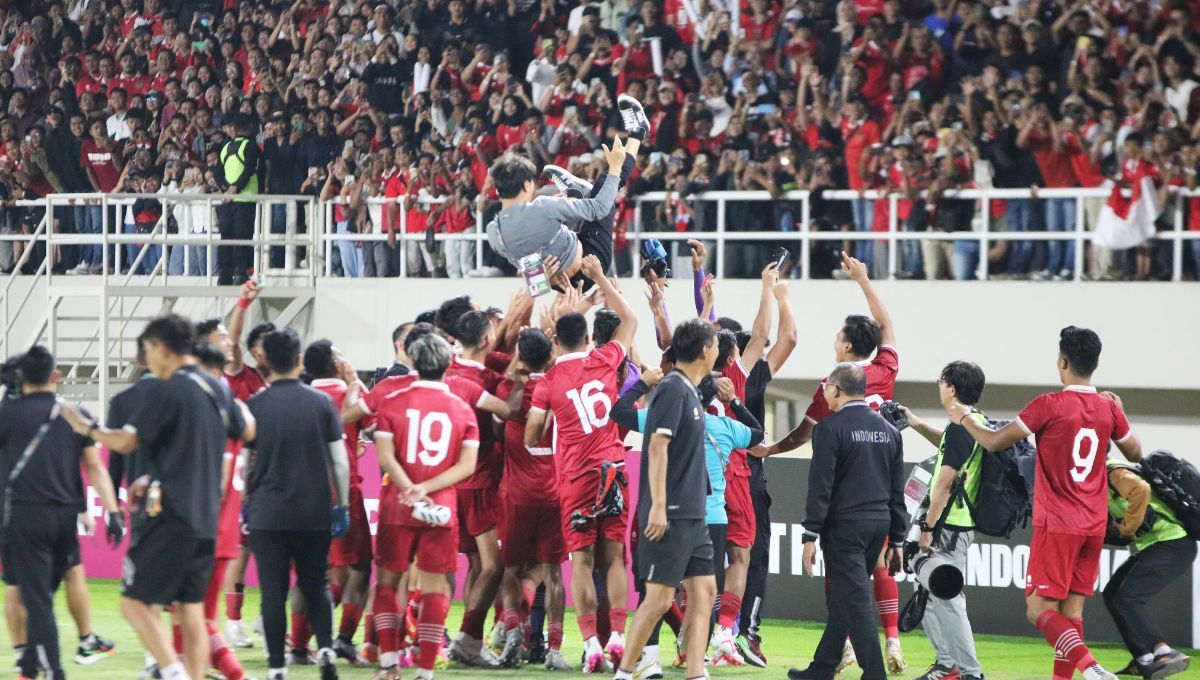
x: 894, y: 414
x: 656, y: 259
x: 10, y: 378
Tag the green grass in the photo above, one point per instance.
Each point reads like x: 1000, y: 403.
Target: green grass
x: 787, y: 644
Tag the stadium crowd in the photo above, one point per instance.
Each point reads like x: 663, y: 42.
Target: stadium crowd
x: 400, y: 101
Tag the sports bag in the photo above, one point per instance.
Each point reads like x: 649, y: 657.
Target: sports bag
x: 1176, y: 482
x: 1004, y: 499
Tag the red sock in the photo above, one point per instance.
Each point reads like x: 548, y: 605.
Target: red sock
x: 433, y: 622
x: 1063, y: 669
x: 370, y: 636
x: 1061, y: 633
x: 730, y: 606
x: 177, y: 637
x: 301, y: 631
x: 616, y: 620
x: 554, y: 636
x: 472, y: 623
x: 887, y: 602
x: 335, y: 592
x: 511, y: 619
x: 233, y: 602
x: 387, y: 620
x: 351, y: 615
x: 587, y: 626
x: 674, y: 618
x: 222, y: 657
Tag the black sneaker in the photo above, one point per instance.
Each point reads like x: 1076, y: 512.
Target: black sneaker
x: 300, y: 656
x: 940, y: 672
x: 634, y: 117
x: 327, y: 660
x: 568, y: 185
x: 537, y: 652
x: 92, y: 649
x: 1167, y: 664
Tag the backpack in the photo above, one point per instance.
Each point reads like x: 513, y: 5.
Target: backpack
x: 1176, y: 482
x: 1004, y: 498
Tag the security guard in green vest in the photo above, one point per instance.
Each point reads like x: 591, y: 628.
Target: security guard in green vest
x: 1161, y: 551
x: 945, y: 621
x: 242, y: 166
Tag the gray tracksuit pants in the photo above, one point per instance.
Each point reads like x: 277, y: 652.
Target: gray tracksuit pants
x: 946, y: 621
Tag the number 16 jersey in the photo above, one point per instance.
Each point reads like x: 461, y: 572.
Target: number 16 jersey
x: 1072, y: 429
x: 580, y: 389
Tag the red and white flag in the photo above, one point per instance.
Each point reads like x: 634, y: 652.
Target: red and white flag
x: 1128, y: 221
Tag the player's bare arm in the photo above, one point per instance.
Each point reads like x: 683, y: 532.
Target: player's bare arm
x: 795, y: 439
x: 857, y: 271
x: 989, y: 439
x: 121, y: 441
x: 931, y: 434
x: 761, y: 327
x: 786, y: 337
x: 237, y: 324
x: 1131, y: 445
x: 616, y: 301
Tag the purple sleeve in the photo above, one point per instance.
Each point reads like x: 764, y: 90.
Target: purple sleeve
x: 697, y: 283
x: 632, y: 375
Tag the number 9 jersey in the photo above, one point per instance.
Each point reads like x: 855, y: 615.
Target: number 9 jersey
x: 429, y: 426
x: 1072, y: 429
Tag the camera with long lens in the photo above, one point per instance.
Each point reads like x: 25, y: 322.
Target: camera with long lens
x: 933, y: 570
x: 656, y: 259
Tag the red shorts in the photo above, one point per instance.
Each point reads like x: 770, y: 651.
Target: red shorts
x: 433, y: 548
x: 1061, y: 564
x: 478, y: 513
x: 215, y: 587
x: 531, y: 534
x: 580, y: 495
x: 354, y: 547
x: 740, y: 510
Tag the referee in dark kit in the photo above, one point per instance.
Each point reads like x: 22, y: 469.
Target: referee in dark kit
x: 675, y: 545
x: 179, y: 433
x: 855, y: 503
x: 298, y: 464
x: 43, y: 493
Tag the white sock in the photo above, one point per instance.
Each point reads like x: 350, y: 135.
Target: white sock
x: 650, y: 654
x: 1094, y: 672
x: 175, y: 671
x: 1146, y: 659
x: 622, y: 675
x: 423, y: 674
x: 277, y: 674
x: 1162, y: 648
x: 388, y: 659
x: 591, y: 642
x: 326, y: 654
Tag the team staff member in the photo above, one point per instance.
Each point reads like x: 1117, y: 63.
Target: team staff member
x: 855, y: 503
x: 1162, y: 552
x: 242, y: 165
x: 43, y: 492
x: 675, y: 546
x: 946, y: 622
x: 298, y: 449
x: 181, y: 430
x: 1072, y: 429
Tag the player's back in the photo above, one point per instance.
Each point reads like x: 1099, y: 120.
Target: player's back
x: 581, y: 389
x: 429, y: 426
x: 486, y: 380
x: 530, y: 475
x: 1072, y: 429
x: 336, y: 390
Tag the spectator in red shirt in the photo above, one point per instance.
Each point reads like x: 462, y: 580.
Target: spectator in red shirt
x: 859, y: 133
x: 1043, y: 136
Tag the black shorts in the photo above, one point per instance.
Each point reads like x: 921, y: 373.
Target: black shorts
x: 167, y: 562
x: 686, y: 550
x: 66, y: 550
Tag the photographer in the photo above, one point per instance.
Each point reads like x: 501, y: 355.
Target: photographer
x: 946, y: 621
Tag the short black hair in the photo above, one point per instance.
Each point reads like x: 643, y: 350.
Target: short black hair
x: 726, y: 341
x: 401, y: 331
x: 571, y: 329
x: 206, y: 327
x: 171, y: 331
x: 282, y: 348
x: 210, y: 356
x: 691, y: 338
x: 967, y: 380
x: 605, y: 325
x: 850, y: 378
x: 35, y: 366
x: 473, y: 328
x: 707, y: 389
x: 534, y: 348
x: 257, y: 333
x: 419, y: 329
x: 729, y: 324
x: 427, y: 316
x: 450, y: 311
x: 510, y: 172
x: 1081, y: 348
x: 318, y: 360
x: 862, y: 333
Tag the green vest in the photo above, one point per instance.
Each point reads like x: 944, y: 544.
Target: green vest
x: 234, y: 162
x: 959, y: 516
x: 1166, y: 527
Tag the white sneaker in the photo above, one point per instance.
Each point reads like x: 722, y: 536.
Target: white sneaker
x: 80, y: 270
x: 236, y: 635
x: 848, y: 659
x: 615, y: 648
x: 648, y: 670
x: 722, y: 649
x: 894, y: 656
x: 258, y: 627
x: 594, y: 660
x: 633, y: 116
x: 469, y: 651
x: 555, y: 661
x: 510, y: 655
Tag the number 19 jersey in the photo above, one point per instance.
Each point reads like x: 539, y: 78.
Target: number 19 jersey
x: 1072, y: 429
x: 580, y: 389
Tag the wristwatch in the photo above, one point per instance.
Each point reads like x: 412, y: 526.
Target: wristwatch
x: 735, y: 402
x: 925, y: 528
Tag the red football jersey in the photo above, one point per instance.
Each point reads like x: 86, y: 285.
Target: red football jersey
x: 881, y: 382
x: 489, y: 466
x: 429, y: 426
x: 246, y: 383
x: 229, y: 528
x: 581, y: 389
x: 373, y: 401
x: 1072, y: 429
x: 336, y: 389
x: 530, y: 476
x: 737, y: 374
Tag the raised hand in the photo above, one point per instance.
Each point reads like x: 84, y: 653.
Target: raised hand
x: 854, y: 268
